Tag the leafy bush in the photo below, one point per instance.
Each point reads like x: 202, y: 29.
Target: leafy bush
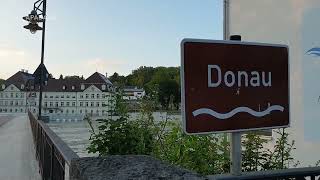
x: 205, y: 154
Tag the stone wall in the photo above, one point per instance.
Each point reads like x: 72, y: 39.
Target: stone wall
x: 126, y: 167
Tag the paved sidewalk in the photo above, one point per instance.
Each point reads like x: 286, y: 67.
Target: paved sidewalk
x: 17, y: 154
x: 5, y: 118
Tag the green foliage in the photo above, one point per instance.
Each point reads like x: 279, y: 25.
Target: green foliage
x: 165, y: 140
x: 255, y: 157
x: 119, y: 135
x: 163, y: 81
x: 205, y: 154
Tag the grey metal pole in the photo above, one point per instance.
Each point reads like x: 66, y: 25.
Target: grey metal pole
x: 235, y: 141
x: 42, y: 57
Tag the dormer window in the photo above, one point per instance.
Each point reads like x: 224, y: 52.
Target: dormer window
x: 22, y: 86
x: 82, y: 86
x: 72, y: 87
x: 3, y: 86
x: 64, y: 87
x: 103, y: 87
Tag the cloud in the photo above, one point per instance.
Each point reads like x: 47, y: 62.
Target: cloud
x: 13, y: 59
x: 86, y: 67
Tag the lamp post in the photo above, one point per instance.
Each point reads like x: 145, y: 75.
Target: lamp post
x: 34, y: 19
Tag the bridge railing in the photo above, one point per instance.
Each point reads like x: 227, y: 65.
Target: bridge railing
x: 310, y: 173
x: 53, y: 154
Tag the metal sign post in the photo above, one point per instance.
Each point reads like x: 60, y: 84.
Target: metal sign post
x: 235, y: 140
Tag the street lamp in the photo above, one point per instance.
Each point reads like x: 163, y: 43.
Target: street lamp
x: 34, y: 18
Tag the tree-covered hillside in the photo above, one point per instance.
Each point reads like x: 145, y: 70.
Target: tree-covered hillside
x: 161, y: 81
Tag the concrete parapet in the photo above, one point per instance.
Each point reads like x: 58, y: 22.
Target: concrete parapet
x: 126, y: 167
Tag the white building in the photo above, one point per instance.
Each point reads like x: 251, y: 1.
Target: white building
x: 133, y: 93
x: 62, y: 99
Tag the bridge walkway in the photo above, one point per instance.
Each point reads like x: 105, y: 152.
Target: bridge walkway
x: 17, y: 153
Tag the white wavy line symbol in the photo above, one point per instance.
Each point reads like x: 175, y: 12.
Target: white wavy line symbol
x: 237, y: 110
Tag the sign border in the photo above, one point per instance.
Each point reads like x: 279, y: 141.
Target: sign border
x: 183, y: 112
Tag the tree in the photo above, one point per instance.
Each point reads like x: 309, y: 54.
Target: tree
x: 169, y: 91
x: 117, y: 80
x: 61, y: 76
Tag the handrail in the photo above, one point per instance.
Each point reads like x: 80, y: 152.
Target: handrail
x: 52, y: 153
x: 67, y: 153
x: 292, y: 173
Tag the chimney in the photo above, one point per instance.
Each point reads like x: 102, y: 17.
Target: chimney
x: 26, y: 71
x: 106, y: 74
x: 22, y: 70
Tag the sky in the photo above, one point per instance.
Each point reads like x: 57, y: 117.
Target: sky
x: 85, y: 36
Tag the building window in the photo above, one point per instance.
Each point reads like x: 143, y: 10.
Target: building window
x: 46, y: 104
x: 103, y: 87
x: 98, y: 96
x: 67, y: 111
x: 11, y: 88
x: 51, y: 104
x: 16, y: 110
x: 87, y: 96
x: 11, y: 103
x: 81, y: 96
x: 92, y: 96
x: 68, y: 104
x: 11, y: 95
x: 97, y: 111
x: 45, y: 96
x: 3, y: 86
x: 16, y: 103
x: 22, y: 86
x: 51, y: 97
x: 72, y: 111
x: 73, y: 103
x: 22, y: 95
x: 81, y: 103
x: 97, y: 104
x: 72, y: 88
x: 103, y: 95
x: 92, y: 104
x: 62, y: 103
x: 73, y: 97
x: 57, y: 104
x: 82, y: 86
x: 87, y: 104
x: 64, y: 87
x: 57, y: 96
x: 62, y: 96
x: 80, y: 111
x: 68, y: 96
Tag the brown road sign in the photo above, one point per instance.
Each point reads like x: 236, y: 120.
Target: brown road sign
x: 233, y: 86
